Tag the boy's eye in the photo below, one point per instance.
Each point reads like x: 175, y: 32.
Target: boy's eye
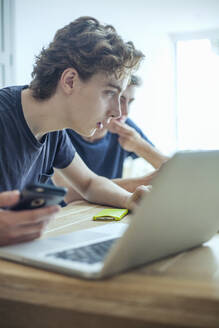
x: 110, y: 92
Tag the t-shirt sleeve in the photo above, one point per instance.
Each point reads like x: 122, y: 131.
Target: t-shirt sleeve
x: 134, y: 126
x: 65, y: 151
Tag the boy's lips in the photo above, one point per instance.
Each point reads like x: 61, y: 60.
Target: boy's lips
x: 99, y: 125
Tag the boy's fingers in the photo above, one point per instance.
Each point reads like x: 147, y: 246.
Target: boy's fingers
x: 121, y: 129
x: 8, y: 198
x: 42, y: 220
x: 140, y: 192
x: 21, y: 239
x: 37, y: 214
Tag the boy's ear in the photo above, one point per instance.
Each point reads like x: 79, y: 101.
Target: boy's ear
x: 68, y: 80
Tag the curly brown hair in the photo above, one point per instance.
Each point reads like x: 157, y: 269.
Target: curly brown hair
x: 135, y: 80
x: 87, y: 46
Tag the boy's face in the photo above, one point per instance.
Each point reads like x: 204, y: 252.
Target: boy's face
x: 126, y: 99
x: 95, y: 102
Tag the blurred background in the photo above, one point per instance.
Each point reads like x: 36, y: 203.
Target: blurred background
x: 178, y: 104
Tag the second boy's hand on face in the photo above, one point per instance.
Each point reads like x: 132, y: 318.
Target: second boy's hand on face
x: 129, y: 138
x: 131, y: 141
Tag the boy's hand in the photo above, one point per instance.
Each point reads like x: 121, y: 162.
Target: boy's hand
x: 20, y: 226
x: 137, y: 196
x: 129, y: 138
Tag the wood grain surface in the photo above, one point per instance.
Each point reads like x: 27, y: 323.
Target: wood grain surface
x: 180, y: 291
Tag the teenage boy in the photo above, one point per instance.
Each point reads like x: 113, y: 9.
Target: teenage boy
x: 77, y: 83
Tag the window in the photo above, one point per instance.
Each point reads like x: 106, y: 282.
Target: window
x: 6, y: 42
x: 197, y: 93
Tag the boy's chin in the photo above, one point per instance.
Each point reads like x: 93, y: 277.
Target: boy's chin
x: 88, y: 134
x: 91, y: 133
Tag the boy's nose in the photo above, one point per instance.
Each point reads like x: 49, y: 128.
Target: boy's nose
x: 124, y: 108
x: 116, y: 111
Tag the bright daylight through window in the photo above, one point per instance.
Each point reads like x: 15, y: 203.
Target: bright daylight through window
x: 198, y: 94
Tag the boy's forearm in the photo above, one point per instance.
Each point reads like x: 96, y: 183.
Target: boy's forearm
x: 101, y: 191
x: 150, y: 154
x: 72, y: 195
x: 106, y: 192
x: 97, y: 189
x: 130, y: 184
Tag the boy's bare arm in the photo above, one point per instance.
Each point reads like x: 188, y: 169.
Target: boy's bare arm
x: 98, y: 189
x: 130, y: 184
x: 131, y: 141
x: 60, y: 180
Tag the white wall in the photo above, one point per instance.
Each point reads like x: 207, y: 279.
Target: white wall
x: 146, y: 22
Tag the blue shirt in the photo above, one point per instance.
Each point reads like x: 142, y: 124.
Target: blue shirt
x: 24, y: 159
x: 105, y: 156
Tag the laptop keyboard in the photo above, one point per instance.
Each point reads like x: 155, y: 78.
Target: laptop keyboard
x: 86, y: 254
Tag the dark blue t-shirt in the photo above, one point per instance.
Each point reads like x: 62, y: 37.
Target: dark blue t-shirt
x: 104, y: 156
x: 24, y: 159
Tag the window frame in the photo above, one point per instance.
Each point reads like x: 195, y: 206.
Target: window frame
x: 185, y: 36
x: 6, y: 42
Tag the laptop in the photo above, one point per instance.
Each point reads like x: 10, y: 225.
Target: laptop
x: 181, y: 212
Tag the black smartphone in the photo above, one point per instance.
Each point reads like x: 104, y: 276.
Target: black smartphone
x: 39, y: 195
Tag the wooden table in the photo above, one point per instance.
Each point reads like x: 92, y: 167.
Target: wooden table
x: 181, y: 291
